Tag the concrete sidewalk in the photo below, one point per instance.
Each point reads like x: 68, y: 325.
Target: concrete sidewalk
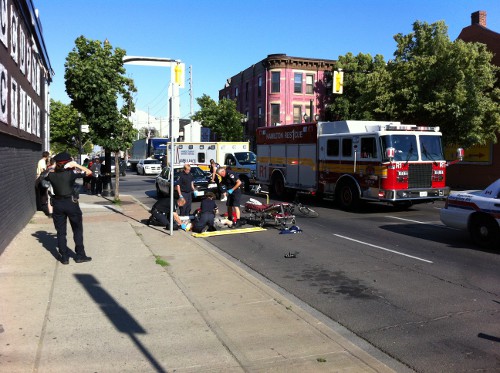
x: 123, y: 312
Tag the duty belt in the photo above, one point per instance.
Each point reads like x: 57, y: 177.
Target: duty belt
x: 62, y: 197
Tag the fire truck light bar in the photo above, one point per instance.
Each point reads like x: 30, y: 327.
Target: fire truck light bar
x: 407, y: 127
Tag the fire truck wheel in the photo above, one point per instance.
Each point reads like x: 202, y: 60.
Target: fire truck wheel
x: 347, y: 196
x: 484, y: 231
x: 278, y: 186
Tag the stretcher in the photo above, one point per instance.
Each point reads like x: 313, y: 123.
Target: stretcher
x: 279, y: 214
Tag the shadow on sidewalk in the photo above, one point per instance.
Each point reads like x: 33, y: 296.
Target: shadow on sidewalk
x: 118, y: 315
x: 49, y: 242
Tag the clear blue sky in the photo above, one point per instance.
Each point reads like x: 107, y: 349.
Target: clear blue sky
x: 220, y: 38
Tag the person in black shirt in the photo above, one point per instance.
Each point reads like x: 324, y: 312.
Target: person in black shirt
x: 161, y: 213
x: 232, y: 183
x: 66, y: 206
x: 208, y: 209
x: 185, y: 188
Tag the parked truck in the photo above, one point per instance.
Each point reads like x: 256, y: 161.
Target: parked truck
x: 147, y: 148
x: 234, y: 155
x: 353, y: 161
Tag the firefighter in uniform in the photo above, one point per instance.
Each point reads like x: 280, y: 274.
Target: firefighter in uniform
x: 66, y: 206
x: 232, y: 183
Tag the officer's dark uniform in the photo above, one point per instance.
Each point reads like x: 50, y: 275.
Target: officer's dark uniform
x: 66, y: 206
x: 207, y: 216
x: 161, y: 212
x: 184, y: 183
x: 229, y: 181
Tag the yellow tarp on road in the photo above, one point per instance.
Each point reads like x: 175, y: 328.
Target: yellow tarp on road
x: 228, y: 231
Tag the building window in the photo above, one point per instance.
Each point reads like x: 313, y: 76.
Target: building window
x: 259, y: 87
x: 275, y: 82
x: 236, y: 92
x: 297, y: 83
x: 309, y: 84
x: 259, y: 116
x: 275, y: 114
x: 297, y: 113
x: 246, y: 92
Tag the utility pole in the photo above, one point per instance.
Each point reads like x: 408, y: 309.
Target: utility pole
x: 191, y: 106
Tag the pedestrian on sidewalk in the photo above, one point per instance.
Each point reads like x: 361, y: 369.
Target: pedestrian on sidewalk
x: 96, y: 181
x: 42, y: 194
x: 65, y: 206
x: 232, y: 183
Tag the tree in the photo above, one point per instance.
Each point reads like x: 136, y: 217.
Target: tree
x: 222, y: 118
x: 448, y: 84
x: 146, y: 132
x: 95, y: 82
x: 64, y: 132
x: 365, y: 88
x: 431, y: 81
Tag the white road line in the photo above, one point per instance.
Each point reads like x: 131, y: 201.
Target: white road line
x: 422, y: 222
x: 383, y: 248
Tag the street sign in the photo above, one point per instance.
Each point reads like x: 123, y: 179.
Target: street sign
x: 84, y: 128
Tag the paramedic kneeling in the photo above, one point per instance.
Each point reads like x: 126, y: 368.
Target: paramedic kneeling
x: 208, y: 209
x: 232, y: 183
x: 161, y: 212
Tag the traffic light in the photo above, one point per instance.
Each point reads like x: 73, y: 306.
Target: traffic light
x: 179, y: 74
x: 338, y: 82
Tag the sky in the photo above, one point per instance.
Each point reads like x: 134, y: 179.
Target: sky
x: 220, y: 38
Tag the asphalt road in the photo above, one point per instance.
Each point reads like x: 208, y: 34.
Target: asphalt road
x: 419, y: 291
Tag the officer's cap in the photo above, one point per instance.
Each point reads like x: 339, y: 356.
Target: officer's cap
x: 62, y: 157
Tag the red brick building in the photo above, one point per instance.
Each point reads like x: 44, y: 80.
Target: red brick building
x: 481, y: 164
x: 280, y: 89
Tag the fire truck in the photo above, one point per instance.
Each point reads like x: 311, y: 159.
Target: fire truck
x: 354, y: 161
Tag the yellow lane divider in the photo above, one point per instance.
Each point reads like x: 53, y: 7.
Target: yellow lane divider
x: 228, y: 231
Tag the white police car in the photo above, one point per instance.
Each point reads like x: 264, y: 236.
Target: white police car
x: 477, y: 212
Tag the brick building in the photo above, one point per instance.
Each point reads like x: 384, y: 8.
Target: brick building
x: 481, y: 164
x: 280, y: 90
x: 25, y: 74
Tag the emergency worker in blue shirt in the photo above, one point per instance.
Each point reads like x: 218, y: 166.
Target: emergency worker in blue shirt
x: 66, y: 206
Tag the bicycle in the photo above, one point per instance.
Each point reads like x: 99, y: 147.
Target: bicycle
x: 303, y: 209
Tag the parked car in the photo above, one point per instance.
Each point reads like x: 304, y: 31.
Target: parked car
x: 148, y: 167
x: 201, y: 181
x: 123, y: 165
x: 478, y: 212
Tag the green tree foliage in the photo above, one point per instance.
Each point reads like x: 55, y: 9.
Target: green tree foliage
x: 431, y: 81
x: 222, y: 118
x: 450, y: 84
x: 365, y: 88
x: 96, y: 83
x: 64, y: 131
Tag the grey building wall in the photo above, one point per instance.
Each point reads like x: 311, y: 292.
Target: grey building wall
x: 18, y: 160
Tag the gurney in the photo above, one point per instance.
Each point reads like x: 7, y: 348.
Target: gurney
x: 279, y: 214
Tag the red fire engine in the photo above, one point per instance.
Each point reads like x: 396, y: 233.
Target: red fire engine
x: 353, y: 161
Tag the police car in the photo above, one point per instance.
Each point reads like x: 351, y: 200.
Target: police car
x: 477, y: 212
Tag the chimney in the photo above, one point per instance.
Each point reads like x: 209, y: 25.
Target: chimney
x: 478, y: 18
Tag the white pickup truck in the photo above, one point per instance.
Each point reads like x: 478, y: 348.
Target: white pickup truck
x: 477, y: 212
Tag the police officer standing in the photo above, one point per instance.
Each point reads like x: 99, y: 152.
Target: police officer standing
x: 232, y: 183
x: 185, y: 188
x: 66, y: 206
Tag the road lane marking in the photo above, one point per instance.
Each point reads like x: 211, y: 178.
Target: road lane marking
x: 422, y: 222
x: 383, y: 248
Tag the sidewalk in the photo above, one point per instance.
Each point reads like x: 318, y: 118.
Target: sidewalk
x: 123, y: 312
